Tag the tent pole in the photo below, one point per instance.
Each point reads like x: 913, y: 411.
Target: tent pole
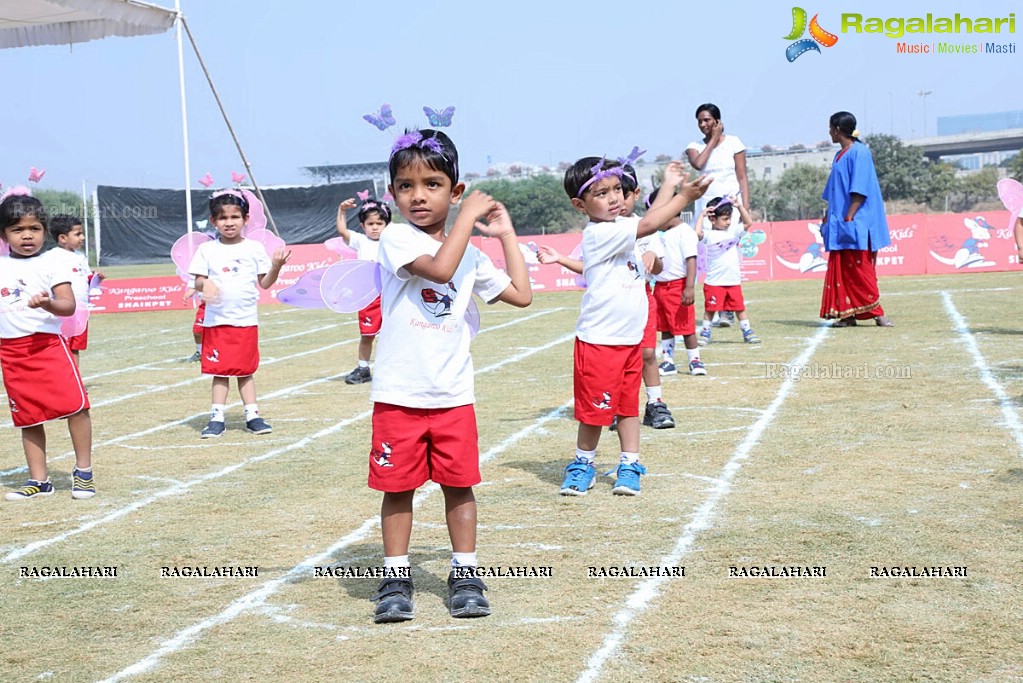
x: 184, y: 115
x: 241, y: 153
x: 85, y: 219
x: 96, y: 224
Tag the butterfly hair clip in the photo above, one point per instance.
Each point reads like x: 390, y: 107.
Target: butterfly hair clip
x: 363, y: 195
x: 441, y: 119
x: 383, y: 119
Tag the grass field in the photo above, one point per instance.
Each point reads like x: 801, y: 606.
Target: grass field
x: 775, y: 462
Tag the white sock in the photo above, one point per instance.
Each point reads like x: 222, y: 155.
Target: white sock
x: 217, y: 412
x: 628, y: 458
x: 694, y: 354
x: 84, y: 469
x: 363, y: 363
x: 251, y: 411
x: 744, y: 325
x: 198, y: 347
x: 668, y: 348
x: 396, y: 562
x: 586, y: 456
x: 653, y: 394
x: 463, y: 559
x: 707, y: 324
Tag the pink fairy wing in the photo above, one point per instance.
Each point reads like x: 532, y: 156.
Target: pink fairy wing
x: 184, y: 249
x: 350, y: 286
x: 343, y: 251
x: 257, y: 217
x: 305, y: 293
x: 270, y: 241
x: 5, y: 249
x: 74, y: 325
x: 1011, y: 193
x: 472, y: 318
x: 701, y: 259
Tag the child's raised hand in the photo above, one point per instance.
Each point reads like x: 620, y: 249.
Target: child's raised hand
x: 477, y: 205
x: 346, y: 205
x: 281, y: 256
x: 547, y: 255
x: 41, y: 300
x: 696, y: 188
x: 498, y: 222
x: 674, y: 174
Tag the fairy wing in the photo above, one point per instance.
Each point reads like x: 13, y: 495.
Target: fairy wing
x: 350, y: 286
x: 305, y: 293
x: 1010, y: 191
x: 343, y: 251
x: 184, y: 250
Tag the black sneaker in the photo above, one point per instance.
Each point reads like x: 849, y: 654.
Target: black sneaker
x: 614, y: 424
x: 213, y: 429
x: 359, y: 375
x: 465, y: 594
x: 394, y: 601
x: 658, y: 416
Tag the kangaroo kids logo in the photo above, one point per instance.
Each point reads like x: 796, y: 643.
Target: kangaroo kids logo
x: 803, y: 45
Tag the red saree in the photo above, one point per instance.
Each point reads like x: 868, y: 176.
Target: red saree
x: 850, y: 286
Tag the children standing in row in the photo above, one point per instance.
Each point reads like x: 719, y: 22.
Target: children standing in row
x: 40, y: 374
x: 612, y: 318
x: 374, y: 216
x: 722, y: 287
x: 67, y: 232
x: 424, y: 425
x: 226, y: 272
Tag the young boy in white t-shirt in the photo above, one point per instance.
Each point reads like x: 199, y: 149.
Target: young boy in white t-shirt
x: 67, y: 232
x: 227, y: 271
x: 722, y: 287
x: 613, y: 315
x: 374, y: 216
x: 424, y: 423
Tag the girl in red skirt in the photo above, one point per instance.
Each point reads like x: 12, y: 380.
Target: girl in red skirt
x: 40, y: 374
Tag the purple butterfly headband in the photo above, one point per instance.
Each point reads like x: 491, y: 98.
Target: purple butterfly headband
x: 600, y: 172
x: 384, y: 119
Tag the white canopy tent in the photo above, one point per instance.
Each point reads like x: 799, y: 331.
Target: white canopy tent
x: 26, y: 23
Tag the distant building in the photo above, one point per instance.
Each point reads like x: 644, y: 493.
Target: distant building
x: 979, y: 123
x: 770, y: 165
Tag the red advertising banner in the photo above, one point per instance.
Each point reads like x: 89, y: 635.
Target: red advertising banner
x: 921, y: 243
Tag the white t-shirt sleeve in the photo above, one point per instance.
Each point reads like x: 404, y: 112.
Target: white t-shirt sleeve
x: 490, y: 280
x: 399, y: 248
x: 200, y: 265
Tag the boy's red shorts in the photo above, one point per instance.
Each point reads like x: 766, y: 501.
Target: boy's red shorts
x: 79, y: 342
x: 607, y: 381
x: 672, y: 316
x: 723, y: 298
x: 229, y: 351
x: 650, y: 332
x: 200, y: 316
x: 370, y: 319
x: 41, y: 379
x: 414, y: 445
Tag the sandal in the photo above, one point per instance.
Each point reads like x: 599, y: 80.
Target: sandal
x: 882, y: 321
x: 845, y: 322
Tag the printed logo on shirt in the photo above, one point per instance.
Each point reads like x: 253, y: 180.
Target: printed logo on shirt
x: 13, y: 296
x: 636, y: 270
x: 232, y: 269
x: 438, y: 303
x: 604, y: 402
x: 818, y: 36
x: 382, y: 457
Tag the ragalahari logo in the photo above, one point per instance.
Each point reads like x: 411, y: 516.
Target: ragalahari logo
x: 804, y: 45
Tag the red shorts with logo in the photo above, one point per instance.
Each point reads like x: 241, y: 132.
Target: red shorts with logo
x: 650, y: 332
x: 672, y: 316
x: 370, y: 319
x: 200, y: 316
x: 229, y: 351
x: 607, y: 381
x: 41, y: 379
x: 79, y: 342
x: 723, y: 298
x: 414, y: 445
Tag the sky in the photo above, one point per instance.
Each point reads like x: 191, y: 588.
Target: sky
x: 532, y: 81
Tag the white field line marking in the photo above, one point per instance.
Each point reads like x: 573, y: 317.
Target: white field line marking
x: 647, y: 591
x: 184, y: 486
x: 256, y: 599
x: 943, y: 292
x: 1012, y: 421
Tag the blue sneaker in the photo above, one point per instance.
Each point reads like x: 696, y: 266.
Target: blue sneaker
x: 31, y: 489
x: 82, y: 485
x: 579, y: 478
x: 258, y: 425
x: 214, y: 429
x: 627, y: 482
x: 750, y: 337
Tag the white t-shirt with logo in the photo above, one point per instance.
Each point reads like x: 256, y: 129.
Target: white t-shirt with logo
x: 20, y: 280
x: 423, y: 358
x: 365, y: 248
x: 234, y: 269
x: 614, y: 305
x: 680, y: 243
x: 652, y: 243
x: 721, y: 165
x: 80, y: 272
x: 723, y: 266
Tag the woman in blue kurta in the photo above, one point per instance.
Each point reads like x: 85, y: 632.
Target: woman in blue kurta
x: 854, y: 229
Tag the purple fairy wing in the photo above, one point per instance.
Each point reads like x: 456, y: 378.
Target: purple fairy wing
x: 270, y: 241
x: 343, y: 251
x: 472, y: 318
x: 257, y: 217
x: 305, y: 293
x: 184, y: 249
x: 701, y: 259
x: 75, y: 324
x: 350, y: 286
